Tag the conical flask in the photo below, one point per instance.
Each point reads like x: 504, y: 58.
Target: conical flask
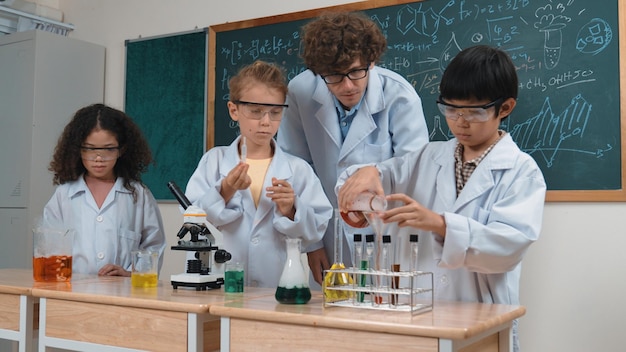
x: 293, y: 286
x: 337, y: 279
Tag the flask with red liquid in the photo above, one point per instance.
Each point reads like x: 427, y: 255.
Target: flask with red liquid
x: 365, y: 202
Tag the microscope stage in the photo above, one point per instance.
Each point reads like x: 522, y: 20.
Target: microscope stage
x: 200, y: 282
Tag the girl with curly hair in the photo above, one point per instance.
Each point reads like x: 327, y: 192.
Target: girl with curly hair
x: 97, y: 165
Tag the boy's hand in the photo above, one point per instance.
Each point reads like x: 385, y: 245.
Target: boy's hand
x: 414, y: 214
x: 365, y: 179
x: 318, y: 262
x: 283, y: 196
x: 237, y: 179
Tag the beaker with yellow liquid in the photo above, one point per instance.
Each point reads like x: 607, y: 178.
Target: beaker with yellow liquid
x: 145, y: 269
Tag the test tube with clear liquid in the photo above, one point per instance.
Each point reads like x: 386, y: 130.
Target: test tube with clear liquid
x: 358, y: 256
x: 414, y: 246
x: 385, y: 255
x: 366, y: 264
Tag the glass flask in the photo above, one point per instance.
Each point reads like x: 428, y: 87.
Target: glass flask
x: 365, y: 203
x: 333, y: 279
x: 293, y: 286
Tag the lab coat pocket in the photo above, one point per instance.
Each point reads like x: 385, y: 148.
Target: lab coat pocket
x: 378, y: 152
x: 127, y: 241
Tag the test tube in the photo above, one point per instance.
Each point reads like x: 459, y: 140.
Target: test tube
x: 395, y: 284
x: 383, y: 281
x: 386, y: 252
x: 413, y: 240
x: 244, y: 150
x: 366, y: 264
x: 358, y: 249
x: 358, y: 256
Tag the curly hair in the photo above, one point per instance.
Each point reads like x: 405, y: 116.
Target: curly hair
x: 334, y: 41
x: 135, y: 155
x: 259, y: 71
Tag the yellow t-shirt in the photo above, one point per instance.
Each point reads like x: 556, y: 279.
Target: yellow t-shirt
x: 257, y: 171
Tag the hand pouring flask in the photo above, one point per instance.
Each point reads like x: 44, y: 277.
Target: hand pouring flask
x: 364, y: 205
x: 293, y: 286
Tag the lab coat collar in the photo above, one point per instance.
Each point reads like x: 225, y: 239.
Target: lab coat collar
x: 279, y: 168
x: 363, y: 123
x: 482, y: 180
x: 80, y: 186
x: 231, y: 159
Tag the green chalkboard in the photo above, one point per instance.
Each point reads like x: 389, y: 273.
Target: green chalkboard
x: 166, y: 96
x: 566, y: 52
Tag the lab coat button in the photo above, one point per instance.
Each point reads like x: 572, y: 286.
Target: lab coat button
x: 99, y: 218
x: 255, y: 241
x: 100, y: 255
x: 443, y: 279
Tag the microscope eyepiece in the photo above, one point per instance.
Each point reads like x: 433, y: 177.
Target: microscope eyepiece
x: 180, y: 196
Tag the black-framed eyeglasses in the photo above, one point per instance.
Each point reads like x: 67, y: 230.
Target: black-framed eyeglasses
x: 105, y: 154
x: 353, y: 75
x: 470, y: 113
x: 254, y: 111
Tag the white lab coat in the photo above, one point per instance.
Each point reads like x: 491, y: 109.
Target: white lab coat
x: 107, y: 235
x: 256, y: 236
x: 490, y: 225
x: 390, y: 122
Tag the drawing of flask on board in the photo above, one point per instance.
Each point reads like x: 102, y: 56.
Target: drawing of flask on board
x: 293, y: 285
x: 364, y: 203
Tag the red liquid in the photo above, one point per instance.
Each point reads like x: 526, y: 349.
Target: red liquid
x: 52, y: 269
x: 355, y: 219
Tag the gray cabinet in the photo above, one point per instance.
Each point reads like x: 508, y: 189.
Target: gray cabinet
x: 44, y: 79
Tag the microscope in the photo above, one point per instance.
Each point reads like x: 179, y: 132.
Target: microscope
x: 206, y: 270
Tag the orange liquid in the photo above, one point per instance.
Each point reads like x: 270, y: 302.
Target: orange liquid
x: 52, y: 269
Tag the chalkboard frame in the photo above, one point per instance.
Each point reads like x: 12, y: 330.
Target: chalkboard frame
x: 551, y: 196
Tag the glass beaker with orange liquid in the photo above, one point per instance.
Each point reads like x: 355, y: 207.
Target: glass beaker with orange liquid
x: 52, y: 254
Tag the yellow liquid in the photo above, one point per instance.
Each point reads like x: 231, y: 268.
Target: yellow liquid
x: 337, y: 279
x: 144, y: 280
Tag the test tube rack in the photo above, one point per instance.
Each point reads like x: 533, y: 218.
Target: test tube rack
x: 397, y: 291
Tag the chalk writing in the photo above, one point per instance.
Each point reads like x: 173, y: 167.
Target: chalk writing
x: 565, y: 51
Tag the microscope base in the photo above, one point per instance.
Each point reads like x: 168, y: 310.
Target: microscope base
x: 197, y: 281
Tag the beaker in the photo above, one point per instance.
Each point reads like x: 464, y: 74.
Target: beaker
x: 364, y: 204
x: 52, y: 254
x: 233, y: 277
x: 145, y: 270
x: 293, y: 286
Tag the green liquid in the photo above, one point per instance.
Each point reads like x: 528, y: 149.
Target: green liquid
x: 363, y: 279
x: 233, y: 281
x: 295, y: 295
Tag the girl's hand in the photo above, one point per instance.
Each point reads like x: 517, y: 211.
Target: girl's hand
x: 113, y: 270
x: 283, y: 196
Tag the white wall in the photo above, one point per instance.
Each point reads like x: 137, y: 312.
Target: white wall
x: 574, y: 277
